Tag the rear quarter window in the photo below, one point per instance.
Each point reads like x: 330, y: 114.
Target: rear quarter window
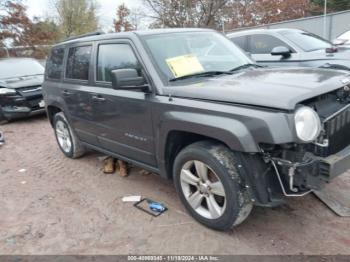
x: 54, y: 65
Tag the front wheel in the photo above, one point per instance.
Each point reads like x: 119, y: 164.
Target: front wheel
x: 210, y: 187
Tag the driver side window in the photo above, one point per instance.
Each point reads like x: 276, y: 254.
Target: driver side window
x: 115, y: 56
x: 263, y: 44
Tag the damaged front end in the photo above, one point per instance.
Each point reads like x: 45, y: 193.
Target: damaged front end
x: 299, y: 168
x: 21, y: 102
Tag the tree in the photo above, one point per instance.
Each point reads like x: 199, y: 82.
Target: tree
x: 39, y: 33
x: 257, y: 12
x: 234, y: 13
x: 332, y: 5
x: 39, y: 36
x: 17, y: 29
x: 186, y: 13
x: 122, y: 23
x: 76, y: 17
x: 13, y: 21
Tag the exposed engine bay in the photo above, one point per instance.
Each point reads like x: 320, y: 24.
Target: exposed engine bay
x: 304, y: 167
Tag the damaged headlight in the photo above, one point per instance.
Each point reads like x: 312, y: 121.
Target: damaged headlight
x: 7, y: 91
x: 307, y: 124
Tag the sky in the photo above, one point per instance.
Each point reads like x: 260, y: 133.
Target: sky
x: 106, y: 12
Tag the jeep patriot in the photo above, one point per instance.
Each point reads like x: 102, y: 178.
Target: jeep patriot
x: 189, y: 105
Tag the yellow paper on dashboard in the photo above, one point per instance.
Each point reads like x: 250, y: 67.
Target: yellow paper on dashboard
x: 184, y: 65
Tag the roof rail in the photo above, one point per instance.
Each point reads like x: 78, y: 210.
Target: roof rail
x: 84, y: 35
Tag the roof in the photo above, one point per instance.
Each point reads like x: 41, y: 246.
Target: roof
x: 263, y: 30
x: 133, y: 33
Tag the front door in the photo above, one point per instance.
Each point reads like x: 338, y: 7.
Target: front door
x: 261, y: 45
x: 123, y: 118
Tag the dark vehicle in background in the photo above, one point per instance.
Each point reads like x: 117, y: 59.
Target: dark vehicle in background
x: 20, y: 88
x: 291, y: 47
x: 189, y: 105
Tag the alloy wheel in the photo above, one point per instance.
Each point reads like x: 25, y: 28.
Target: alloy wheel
x: 63, y: 136
x: 203, y: 189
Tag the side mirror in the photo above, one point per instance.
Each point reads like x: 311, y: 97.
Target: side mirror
x: 128, y: 79
x: 281, y: 50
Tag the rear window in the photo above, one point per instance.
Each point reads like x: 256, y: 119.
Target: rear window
x: 78, y: 63
x: 55, y: 63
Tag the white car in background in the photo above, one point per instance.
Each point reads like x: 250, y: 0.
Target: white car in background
x: 343, y: 39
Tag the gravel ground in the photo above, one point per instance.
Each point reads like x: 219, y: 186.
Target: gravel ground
x: 63, y: 206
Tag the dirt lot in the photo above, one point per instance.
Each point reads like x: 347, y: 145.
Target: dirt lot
x: 63, y: 206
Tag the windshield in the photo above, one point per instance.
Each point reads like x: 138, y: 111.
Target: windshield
x: 179, y: 54
x: 307, y: 41
x: 11, y: 68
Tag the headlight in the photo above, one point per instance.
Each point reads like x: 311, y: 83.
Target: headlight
x: 7, y: 91
x: 307, y: 124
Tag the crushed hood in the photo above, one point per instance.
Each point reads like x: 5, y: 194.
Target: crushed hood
x: 273, y: 87
x: 24, y: 81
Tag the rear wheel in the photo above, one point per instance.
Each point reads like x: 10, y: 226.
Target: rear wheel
x: 66, y: 138
x: 210, y: 186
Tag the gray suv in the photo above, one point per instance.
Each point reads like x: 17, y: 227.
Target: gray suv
x: 189, y: 105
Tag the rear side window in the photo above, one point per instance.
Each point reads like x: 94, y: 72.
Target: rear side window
x: 241, y: 41
x: 263, y: 44
x: 55, y: 63
x: 115, y: 56
x: 78, y: 63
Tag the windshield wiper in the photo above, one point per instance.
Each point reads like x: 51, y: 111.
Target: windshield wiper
x: 201, y: 74
x: 244, y: 66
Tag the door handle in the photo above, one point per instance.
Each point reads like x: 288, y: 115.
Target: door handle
x: 98, y: 98
x: 66, y: 93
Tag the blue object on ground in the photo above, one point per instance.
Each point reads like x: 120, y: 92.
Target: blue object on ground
x: 156, y: 207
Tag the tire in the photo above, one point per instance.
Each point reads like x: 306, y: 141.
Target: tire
x: 66, y: 139
x: 233, y: 202
x: 2, y: 117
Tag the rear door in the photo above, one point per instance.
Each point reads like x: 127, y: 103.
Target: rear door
x: 76, y: 89
x: 261, y: 45
x: 122, y: 118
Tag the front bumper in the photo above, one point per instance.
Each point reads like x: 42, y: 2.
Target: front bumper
x: 22, y: 104
x: 314, y: 172
x: 336, y: 164
x: 13, y: 112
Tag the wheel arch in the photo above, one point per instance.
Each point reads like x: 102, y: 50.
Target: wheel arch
x: 52, y: 110
x: 177, y: 134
